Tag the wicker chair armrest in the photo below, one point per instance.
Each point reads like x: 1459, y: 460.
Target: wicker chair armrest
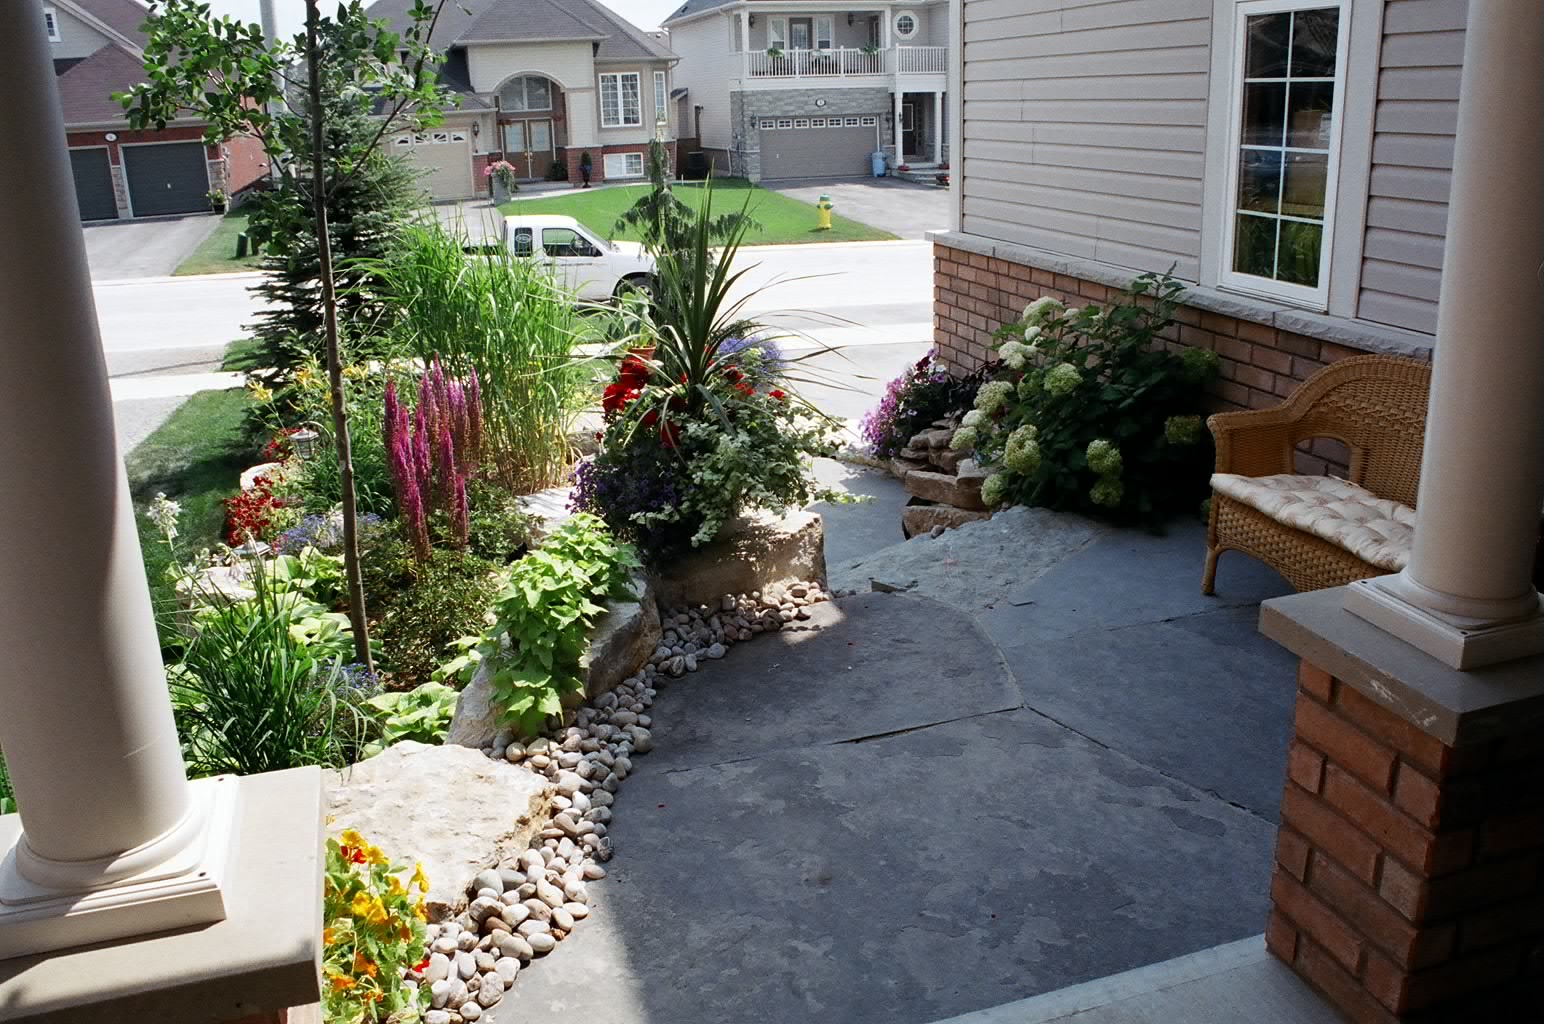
x: 1259, y: 442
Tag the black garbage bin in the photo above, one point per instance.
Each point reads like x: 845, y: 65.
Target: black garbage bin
x: 697, y: 166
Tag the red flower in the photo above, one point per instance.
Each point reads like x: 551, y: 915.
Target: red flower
x: 616, y: 397
x: 734, y: 375
x: 779, y: 395
x: 677, y: 403
x: 634, y: 373
x: 669, y: 434
x: 745, y: 388
x: 649, y: 419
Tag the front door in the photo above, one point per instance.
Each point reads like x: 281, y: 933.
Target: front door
x: 515, y: 148
x: 801, y: 31
x: 538, y: 137
x: 908, y: 129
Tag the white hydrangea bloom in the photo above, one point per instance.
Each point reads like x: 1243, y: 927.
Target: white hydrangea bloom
x: 1041, y: 309
x: 963, y: 440
x: 994, y: 490
x: 1014, y: 354
x: 993, y: 396
x: 972, y: 418
x: 1104, y: 458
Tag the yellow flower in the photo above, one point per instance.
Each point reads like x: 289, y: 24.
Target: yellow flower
x: 375, y: 855
x: 394, y: 886
x: 259, y: 392
x: 420, y: 912
x: 419, y: 878
x: 329, y: 936
x: 362, y: 904
x: 340, y: 982
x: 304, y: 376
x: 405, y: 932
x: 363, y: 966
x: 356, y: 372
x: 377, y: 914
x: 352, y: 838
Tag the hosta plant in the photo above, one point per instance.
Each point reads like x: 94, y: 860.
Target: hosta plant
x: 1087, y: 410
x: 372, y: 928
x: 550, y: 600
x: 422, y: 714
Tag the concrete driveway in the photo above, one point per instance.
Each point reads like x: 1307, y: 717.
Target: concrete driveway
x: 153, y: 247
x: 903, y: 208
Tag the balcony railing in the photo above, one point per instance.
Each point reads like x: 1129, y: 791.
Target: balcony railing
x: 922, y: 60
x: 844, y: 62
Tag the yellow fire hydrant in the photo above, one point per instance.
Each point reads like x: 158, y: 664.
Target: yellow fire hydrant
x: 823, y: 213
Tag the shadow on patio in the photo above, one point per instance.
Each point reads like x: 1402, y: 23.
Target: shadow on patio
x: 996, y: 784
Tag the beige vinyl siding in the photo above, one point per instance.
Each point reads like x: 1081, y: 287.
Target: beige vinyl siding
x: 706, y: 70
x: 76, y: 38
x: 1084, y: 127
x: 1412, y: 162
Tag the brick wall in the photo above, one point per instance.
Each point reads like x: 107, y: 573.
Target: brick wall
x: 598, y: 164
x: 1407, y: 884
x: 974, y: 295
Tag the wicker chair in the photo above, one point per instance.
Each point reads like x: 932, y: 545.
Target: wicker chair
x: 1376, y: 406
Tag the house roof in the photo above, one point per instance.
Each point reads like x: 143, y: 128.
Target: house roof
x: 498, y: 21
x: 692, y: 8
x: 86, y: 86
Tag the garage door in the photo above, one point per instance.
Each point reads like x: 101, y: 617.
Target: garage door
x: 169, y: 178
x: 93, y: 184
x: 816, y: 147
x: 443, y: 160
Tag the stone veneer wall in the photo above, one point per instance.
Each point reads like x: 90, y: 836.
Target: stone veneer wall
x: 1408, y: 879
x: 976, y: 292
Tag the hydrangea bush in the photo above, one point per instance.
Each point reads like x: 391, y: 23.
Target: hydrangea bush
x: 912, y: 401
x: 1087, y: 411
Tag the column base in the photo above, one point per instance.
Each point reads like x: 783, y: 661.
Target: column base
x: 1458, y: 642
x: 183, y: 892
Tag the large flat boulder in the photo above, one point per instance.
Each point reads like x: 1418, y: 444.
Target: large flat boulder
x: 752, y: 552
x: 452, y: 808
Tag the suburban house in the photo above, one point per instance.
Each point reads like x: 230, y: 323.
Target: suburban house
x: 97, y: 48
x: 777, y: 90
x: 1289, y: 159
x: 539, y: 83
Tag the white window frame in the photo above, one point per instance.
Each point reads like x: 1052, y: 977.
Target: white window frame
x: 1315, y: 298
x: 777, y: 33
x: 615, y: 165
x: 51, y: 20
x: 661, y: 97
x: 525, y: 91
x: 825, y: 32
x: 916, y: 24
x: 616, y: 82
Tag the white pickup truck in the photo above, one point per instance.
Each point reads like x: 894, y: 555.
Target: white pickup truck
x: 592, y: 267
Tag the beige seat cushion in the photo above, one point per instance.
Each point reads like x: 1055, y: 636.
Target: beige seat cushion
x: 1374, y: 529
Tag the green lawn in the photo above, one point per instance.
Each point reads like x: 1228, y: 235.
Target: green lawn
x: 196, y: 458
x: 782, y: 220
x: 217, y: 254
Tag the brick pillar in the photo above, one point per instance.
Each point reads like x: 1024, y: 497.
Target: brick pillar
x: 1407, y: 884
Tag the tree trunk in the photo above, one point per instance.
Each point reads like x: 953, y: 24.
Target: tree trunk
x: 356, y: 586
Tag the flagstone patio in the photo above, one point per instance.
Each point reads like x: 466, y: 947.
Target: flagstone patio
x: 925, y: 803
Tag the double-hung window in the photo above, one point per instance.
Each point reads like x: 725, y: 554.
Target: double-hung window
x: 1288, y: 75
x: 825, y: 32
x: 661, y: 97
x: 777, y: 33
x: 51, y: 20
x: 620, y: 105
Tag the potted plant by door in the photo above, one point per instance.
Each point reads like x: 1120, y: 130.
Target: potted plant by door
x: 585, y: 163
x: 501, y: 176
x: 217, y: 200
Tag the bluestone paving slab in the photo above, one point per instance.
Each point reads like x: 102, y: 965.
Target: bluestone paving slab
x: 1125, y: 577
x: 904, y: 878
x: 861, y: 666
x: 1205, y: 699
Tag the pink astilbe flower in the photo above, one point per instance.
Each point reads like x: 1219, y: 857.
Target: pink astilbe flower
x: 460, y: 529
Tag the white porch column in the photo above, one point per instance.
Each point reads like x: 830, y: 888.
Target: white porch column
x: 85, y: 721
x: 938, y: 127
x: 1467, y: 597
x: 745, y: 41
x: 900, y: 158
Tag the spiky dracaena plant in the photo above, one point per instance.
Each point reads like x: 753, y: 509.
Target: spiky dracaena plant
x: 432, y: 457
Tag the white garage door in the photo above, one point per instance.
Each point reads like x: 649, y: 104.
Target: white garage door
x: 816, y: 147
x: 443, y: 160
